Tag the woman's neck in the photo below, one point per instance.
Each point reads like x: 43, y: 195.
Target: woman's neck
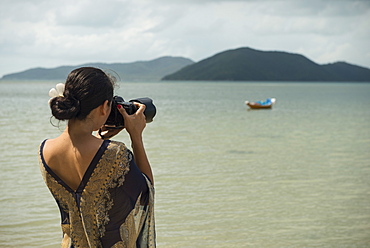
x: 79, y: 131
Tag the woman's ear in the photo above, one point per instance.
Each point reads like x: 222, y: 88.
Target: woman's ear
x: 105, y: 107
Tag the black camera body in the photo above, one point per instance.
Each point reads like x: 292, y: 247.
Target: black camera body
x: 115, y: 119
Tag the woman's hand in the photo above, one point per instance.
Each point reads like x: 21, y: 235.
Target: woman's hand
x: 107, y: 133
x: 136, y: 122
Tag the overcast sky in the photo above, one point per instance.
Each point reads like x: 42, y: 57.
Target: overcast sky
x: 50, y: 33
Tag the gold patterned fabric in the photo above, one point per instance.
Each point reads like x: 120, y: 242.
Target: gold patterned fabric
x: 91, y: 215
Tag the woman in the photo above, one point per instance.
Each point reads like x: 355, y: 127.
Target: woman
x: 104, y: 192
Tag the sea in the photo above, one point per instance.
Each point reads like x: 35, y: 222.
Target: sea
x: 296, y: 175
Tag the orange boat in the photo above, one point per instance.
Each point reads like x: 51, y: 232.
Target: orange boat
x: 261, y: 104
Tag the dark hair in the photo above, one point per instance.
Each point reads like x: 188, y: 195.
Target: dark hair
x: 86, y: 88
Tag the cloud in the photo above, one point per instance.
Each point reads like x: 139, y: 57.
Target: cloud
x: 52, y: 33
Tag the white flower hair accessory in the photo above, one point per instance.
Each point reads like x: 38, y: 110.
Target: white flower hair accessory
x: 57, y: 91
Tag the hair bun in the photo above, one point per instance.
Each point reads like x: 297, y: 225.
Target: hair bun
x: 65, y: 108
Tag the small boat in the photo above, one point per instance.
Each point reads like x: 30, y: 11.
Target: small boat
x: 267, y: 104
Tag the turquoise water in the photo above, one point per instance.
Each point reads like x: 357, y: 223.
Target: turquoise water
x: 226, y: 176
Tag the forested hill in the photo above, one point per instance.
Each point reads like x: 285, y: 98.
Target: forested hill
x: 152, y: 70
x: 246, y: 64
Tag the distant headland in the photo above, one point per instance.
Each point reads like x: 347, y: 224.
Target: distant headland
x: 241, y: 64
x: 246, y: 64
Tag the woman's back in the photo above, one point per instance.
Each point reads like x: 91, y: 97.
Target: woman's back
x: 70, y: 160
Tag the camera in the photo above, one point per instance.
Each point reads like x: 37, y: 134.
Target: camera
x: 115, y: 119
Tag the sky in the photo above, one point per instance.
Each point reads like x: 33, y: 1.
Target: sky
x: 52, y: 33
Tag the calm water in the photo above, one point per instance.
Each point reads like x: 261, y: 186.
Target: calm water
x: 294, y: 176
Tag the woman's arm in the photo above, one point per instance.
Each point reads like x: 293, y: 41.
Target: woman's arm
x: 135, y: 125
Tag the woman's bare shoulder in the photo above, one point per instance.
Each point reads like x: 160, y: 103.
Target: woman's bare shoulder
x: 52, y: 145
